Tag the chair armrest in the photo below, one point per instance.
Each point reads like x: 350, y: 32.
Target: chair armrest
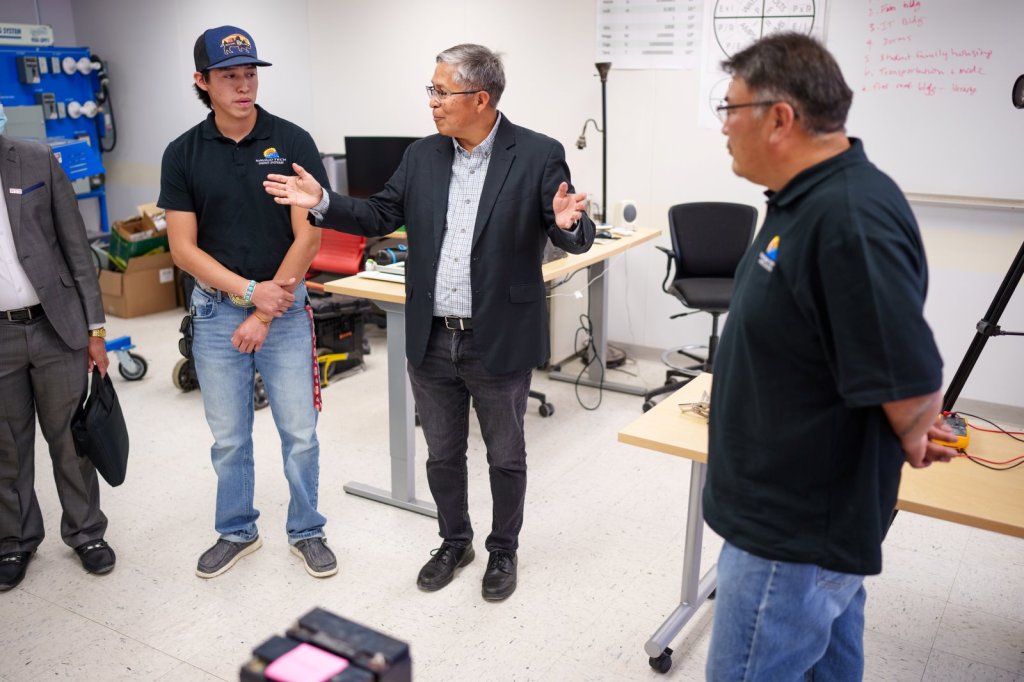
x: 668, y: 267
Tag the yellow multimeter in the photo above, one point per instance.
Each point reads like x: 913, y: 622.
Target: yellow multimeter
x: 959, y: 426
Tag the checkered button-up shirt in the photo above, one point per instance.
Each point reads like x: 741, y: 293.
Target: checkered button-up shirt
x: 452, y: 290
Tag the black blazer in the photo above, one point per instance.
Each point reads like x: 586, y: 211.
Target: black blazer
x: 514, y: 220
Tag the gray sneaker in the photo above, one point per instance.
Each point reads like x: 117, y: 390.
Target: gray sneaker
x: 225, y: 554
x: 317, y: 557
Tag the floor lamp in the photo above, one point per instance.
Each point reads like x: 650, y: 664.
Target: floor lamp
x: 613, y: 356
x: 581, y: 141
x: 602, y: 71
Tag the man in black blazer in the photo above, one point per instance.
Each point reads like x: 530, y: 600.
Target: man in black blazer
x: 51, y: 335
x: 479, y: 200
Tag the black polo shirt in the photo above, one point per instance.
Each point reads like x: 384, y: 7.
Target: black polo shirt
x: 221, y: 181
x: 824, y: 326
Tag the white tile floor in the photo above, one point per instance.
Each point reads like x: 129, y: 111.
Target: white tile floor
x: 600, y: 560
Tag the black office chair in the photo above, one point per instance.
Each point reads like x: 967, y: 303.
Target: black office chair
x: 708, y: 241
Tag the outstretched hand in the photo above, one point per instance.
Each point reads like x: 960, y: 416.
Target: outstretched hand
x: 300, y: 190
x: 568, y: 208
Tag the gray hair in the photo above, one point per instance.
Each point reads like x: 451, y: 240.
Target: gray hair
x: 794, y: 68
x: 476, y: 67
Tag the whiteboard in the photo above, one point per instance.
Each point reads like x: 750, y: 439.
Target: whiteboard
x: 931, y: 82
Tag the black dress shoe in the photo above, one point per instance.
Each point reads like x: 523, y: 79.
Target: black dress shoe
x: 500, y: 576
x: 97, y: 556
x: 443, y: 563
x: 12, y: 569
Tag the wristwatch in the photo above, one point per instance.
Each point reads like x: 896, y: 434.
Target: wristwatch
x: 101, y: 332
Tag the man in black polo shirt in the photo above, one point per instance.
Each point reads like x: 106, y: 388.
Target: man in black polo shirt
x: 249, y: 309
x: 827, y: 377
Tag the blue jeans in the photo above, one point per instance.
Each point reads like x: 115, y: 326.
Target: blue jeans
x: 451, y: 374
x: 782, y: 621
x: 285, y: 361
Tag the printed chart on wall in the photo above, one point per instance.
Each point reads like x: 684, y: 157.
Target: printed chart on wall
x: 731, y: 25
x: 931, y: 83
x: 649, y: 34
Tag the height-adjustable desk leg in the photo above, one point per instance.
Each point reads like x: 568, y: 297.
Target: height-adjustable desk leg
x: 695, y: 590
x: 401, y: 426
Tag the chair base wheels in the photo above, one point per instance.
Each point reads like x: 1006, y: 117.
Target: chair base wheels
x: 546, y: 409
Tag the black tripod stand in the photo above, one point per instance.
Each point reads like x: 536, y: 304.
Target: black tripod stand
x: 987, y: 327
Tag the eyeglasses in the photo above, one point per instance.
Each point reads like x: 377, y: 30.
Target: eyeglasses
x: 722, y: 110
x: 441, y: 95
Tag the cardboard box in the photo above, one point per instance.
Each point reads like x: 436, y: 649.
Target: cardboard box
x: 146, y: 286
x: 140, y: 235
x: 132, y: 238
x: 152, y: 217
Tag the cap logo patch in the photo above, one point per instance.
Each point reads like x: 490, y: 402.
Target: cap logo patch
x: 236, y: 43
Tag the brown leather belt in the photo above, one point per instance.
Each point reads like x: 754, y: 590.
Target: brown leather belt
x: 33, y: 312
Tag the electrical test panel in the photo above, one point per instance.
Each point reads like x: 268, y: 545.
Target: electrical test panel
x: 60, y: 96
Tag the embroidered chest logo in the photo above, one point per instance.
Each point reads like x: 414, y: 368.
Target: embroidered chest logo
x: 270, y: 158
x: 766, y: 259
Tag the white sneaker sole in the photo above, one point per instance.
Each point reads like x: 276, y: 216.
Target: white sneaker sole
x: 226, y: 567
x: 309, y: 569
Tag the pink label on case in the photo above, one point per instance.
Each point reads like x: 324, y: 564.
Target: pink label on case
x: 305, y: 663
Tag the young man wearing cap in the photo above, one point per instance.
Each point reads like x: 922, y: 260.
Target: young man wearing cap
x: 249, y: 308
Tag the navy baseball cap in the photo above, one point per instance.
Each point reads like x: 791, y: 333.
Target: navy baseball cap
x: 224, y: 46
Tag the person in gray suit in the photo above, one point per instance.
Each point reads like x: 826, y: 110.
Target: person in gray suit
x: 51, y: 336
x: 480, y: 200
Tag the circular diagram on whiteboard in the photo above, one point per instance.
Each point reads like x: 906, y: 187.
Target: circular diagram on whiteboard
x: 716, y: 96
x: 738, y: 23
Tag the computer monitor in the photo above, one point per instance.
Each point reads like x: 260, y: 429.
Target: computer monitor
x: 371, y: 161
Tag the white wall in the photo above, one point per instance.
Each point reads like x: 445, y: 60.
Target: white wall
x: 53, y: 13
x: 374, y: 60
x: 656, y: 156
x: 358, y: 68
x: 148, y: 47
x: 969, y: 254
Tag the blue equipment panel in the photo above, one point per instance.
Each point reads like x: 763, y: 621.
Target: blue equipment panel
x: 76, y: 157
x: 70, y: 114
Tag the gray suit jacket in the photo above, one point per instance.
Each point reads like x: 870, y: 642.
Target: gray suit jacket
x: 50, y: 238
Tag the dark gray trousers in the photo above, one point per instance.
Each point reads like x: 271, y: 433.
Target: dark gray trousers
x: 40, y: 374
x: 451, y: 374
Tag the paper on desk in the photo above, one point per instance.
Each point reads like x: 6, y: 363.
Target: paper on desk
x: 383, y: 276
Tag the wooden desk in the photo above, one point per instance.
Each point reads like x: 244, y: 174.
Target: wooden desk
x: 390, y: 296
x: 966, y: 493
x: 597, y: 260
x: 960, y: 491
